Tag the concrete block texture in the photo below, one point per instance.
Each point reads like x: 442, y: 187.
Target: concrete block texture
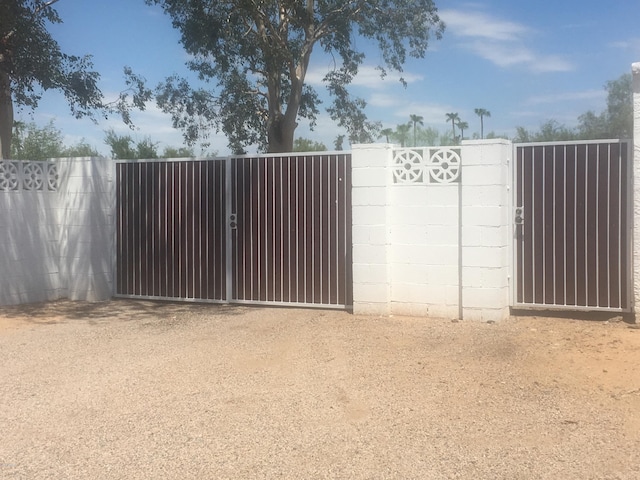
x: 635, y: 68
x: 60, y: 243
x: 423, y: 231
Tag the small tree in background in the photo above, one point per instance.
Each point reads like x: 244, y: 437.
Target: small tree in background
x: 415, y: 120
x: 462, y: 126
x: 402, y: 133
x: 453, y: 118
x: 482, y: 112
x: 305, y: 145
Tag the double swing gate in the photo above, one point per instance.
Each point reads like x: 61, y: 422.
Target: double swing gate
x: 572, y: 225
x: 270, y: 229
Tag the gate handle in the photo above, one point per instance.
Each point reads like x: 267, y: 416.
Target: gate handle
x: 518, y: 215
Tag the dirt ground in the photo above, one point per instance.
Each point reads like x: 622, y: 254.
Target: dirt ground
x: 135, y: 389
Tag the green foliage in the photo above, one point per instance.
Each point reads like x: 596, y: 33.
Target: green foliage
x: 482, y: 113
x: 614, y: 122
x: 121, y: 145
x: 402, y: 133
x: 306, y: 145
x: 453, y: 118
x: 31, y: 62
x: 257, y: 54
x: 30, y: 142
x: 617, y: 120
x: 81, y: 149
x: 182, y: 152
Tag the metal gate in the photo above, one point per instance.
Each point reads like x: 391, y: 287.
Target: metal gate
x: 572, y: 226
x: 269, y: 229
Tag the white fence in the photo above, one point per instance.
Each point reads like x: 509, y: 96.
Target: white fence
x: 56, y: 230
x: 432, y: 229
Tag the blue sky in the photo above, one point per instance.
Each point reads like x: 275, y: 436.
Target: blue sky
x: 525, y: 62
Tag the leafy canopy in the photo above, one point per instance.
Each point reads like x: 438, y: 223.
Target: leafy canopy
x: 257, y: 53
x: 31, y: 62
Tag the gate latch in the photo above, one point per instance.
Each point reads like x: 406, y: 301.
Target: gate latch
x: 518, y: 215
x: 233, y: 223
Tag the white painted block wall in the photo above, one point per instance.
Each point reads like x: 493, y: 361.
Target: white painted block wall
x: 635, y: 68
x: 59, y: 244
x: 408, y: 242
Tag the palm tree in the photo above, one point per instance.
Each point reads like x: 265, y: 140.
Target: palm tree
x: 453, y: 118
x: 416, y: 120
x: 402, y: 132
x: 462, y: 126
x: 482, y: 112
x: 386, y: 133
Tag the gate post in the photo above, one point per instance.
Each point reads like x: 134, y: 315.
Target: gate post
x: 370, y: 230
x: 635, y: 68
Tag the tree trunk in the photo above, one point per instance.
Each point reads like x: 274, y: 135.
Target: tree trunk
x: 6, y: 116
x: 280, y: 135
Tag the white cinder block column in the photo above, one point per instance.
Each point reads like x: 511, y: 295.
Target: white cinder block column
x: 636, y: 189
x: 485, y: 229
x: 86, y: 218
x: 371, y: 268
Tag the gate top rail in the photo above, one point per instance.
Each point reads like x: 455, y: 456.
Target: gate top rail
x: 573, y: 142
x: 233, y: 157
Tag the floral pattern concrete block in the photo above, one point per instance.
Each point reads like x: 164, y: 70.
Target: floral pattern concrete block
x: 27, y: 175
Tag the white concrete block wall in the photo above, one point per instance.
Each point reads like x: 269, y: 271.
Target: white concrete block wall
x: 58, y: 244
x: 635, y: 68
x: 370, y: 199
x: 29, y: 263
x: 485, y: 229
x: 408, y: 240
x: 86, y: 236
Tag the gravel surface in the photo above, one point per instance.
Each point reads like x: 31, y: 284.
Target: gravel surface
x: 133, y: 389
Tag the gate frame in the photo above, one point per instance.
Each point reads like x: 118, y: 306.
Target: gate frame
x: 513, y: 270
x: 228, y: 234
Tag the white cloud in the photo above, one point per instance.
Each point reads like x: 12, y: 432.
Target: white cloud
x: 502, y: 42
x: 368, y: 77
x: 482, y: 25
x: 566, y: 97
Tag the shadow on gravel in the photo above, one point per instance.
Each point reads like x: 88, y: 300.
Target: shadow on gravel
x: 112, y: 310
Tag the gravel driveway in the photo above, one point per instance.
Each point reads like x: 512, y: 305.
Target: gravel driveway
x: 132, y: 390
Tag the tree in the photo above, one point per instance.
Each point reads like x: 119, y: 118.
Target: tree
x: 146, y: 148
x: 386, y: 133
x: 80, y: 149
x: 402, y: 133
x: 30, y: 142
x: 462, y: 126
x: 338, y: 143
x: 550, y: 131
x: 306, y: 145
x: 31, y: 62
x: 482, y: 112
x: 121, y: 145
x: 124, y: 147
x: 182, y: 152
x: 416, y: 120
x: 258, y: 53
x: 617, y: 120
x: 428, y: 136
x: 453, y: 118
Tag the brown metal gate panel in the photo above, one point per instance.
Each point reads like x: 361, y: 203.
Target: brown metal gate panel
x: 272, y: 229
x: 292, y: 241
x: 171, y: 229
x: 572, y: 225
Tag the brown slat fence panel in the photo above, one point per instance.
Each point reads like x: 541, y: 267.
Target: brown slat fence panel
x: 171, y: 227
x: 292, y: 243
x: 271, y: 229
x: 572, y: 249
